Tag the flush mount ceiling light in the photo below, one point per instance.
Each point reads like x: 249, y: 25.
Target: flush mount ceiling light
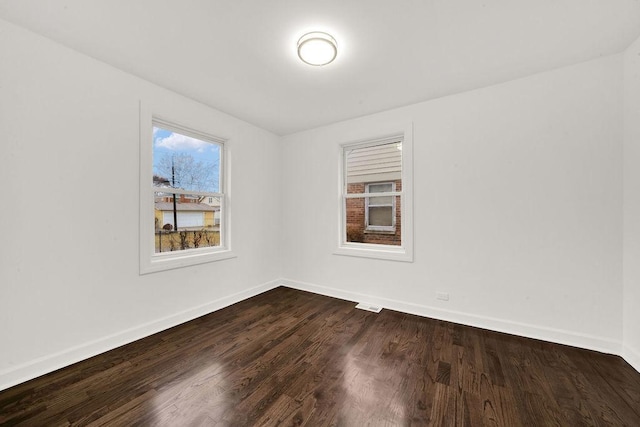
x: 317, y: 48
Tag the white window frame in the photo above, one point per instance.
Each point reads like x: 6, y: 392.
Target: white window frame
x: 391, y: 132
x: 367, y: 205
x: 150, y: 261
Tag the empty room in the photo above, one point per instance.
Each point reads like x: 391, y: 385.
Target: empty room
x: 329, y: 213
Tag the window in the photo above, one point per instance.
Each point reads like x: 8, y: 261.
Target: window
x: 186, y: 171
x: 182, y: 197
x: 380, y: 212
x: 375, y: 213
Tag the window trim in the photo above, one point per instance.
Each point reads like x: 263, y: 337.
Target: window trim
x: 404, y: 252
x: 150, y: 261
x: 380, y: 228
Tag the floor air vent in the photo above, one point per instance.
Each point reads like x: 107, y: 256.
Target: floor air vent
x: 369, y: 307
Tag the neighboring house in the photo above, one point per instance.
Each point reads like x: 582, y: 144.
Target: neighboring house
x: 191, y: 214
x: 376, y: 169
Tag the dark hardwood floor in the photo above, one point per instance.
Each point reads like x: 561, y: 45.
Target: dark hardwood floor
x: 287, y: 357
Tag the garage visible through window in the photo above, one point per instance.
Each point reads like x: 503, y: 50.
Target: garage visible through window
x: 187, y: 191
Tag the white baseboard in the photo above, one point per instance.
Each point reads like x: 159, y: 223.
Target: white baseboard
x: 632, y: 356
x: 37, y: 367
x: 560, y: 336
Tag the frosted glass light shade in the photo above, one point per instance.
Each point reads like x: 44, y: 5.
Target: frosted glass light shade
x: 317, y: 48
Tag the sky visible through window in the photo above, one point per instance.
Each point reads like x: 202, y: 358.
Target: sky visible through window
x: 181, y: 161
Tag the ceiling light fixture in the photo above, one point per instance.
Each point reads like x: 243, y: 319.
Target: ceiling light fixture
x: 317, y: 48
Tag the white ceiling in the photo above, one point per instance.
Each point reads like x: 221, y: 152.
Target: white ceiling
x: 239, y: 56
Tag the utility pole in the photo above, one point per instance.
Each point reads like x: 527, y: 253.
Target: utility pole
x: 173, y: 184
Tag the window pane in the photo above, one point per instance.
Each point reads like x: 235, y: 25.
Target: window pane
x: 376, y: 163
x: 373, y: 224
x: 380, y: 201
x: 386, y: 187
x: 381, y: 216
x: 184, y: 162
x: 198, y: 222
x: 369, y: 170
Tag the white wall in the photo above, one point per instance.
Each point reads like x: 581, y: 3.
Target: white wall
x: 631, y: 295
x: 69, y: 278
x: 517, y: 204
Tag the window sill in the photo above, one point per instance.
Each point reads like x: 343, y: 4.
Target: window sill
x: 366, y: 250
x: 172, y: 260
x: 385, y: 232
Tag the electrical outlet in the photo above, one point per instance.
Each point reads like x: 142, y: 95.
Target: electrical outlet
x: 442, y: 296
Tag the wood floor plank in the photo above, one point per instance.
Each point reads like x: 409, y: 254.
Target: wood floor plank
x: 292, y: 358
x: 468, y: 409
